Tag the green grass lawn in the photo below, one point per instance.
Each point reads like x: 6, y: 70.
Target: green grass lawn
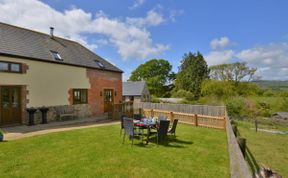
x: 98, y: 152
x: 267, y: 148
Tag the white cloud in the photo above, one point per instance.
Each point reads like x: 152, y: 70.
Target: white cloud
x: 271, y: 60
x: 219, y: 57
x: 152, y: 19
x: 131, y: 41
x: 272, y: 55
x: 137, y: 3
x: 220, y: 43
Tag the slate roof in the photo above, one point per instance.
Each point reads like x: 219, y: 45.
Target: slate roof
x: 283, y: 115
x: 133, y: 88
x: 25, y: 43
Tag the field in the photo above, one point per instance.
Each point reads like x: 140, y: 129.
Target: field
x: 267, y: 148
x: 98, y: 152
x: 273, y: 85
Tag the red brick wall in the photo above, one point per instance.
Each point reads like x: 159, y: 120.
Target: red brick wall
x: 100, y: 80
x: 24, y: 102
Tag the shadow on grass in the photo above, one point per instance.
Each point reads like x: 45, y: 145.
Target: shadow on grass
x: 253, y: 164
x: 169, y: 141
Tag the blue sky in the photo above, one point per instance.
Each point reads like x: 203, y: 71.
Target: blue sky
x: 130, y: 32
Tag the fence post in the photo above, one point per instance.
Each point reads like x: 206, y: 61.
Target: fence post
x: 171, y: 117
x: 152, y: 113
x: 234, y: 128
x: 111, y: 114
x: 224, y: 124
x: 196, y: 120
x: 140, y: 111
x: 256, y: 125
x: 242, y: 144
x: 131, y: 109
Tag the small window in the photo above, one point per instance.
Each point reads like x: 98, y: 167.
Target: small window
x: 15, y: 67
x: 10, y: 67
x: 56, y: 56
x: 4, y: 66
x: 100, y: 64
x: 80, y: 96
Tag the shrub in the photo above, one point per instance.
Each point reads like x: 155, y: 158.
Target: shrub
x: 268, y: 93
x: 220, y: 89
x: 1, y: 135
x: 184, y: 94
x: 235, y: 107
x: 248, y: 89
x: 211, y: 100
x: 154, y: 99
x: 284, y: 104
x: 264, y: 109
x: 283, y: 94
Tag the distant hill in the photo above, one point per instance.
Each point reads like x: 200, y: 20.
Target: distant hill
x: 272, y: 84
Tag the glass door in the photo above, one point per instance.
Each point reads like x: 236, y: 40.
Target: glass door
x: 10, y: 104
x: 108, y: 100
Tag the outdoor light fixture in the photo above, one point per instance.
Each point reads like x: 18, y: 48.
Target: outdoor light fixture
x: 115, y: 93
x: 100, y: 93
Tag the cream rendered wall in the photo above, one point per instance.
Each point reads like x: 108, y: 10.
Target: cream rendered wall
x: 48, y: 84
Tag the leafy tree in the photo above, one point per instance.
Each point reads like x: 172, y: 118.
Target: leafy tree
x: 236, y: 72
x: 157, y: 74
x: 226, y: 89
x: 192, y: 71
x: 220, y: 89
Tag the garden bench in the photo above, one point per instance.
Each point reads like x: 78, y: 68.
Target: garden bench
x: 65, y: 111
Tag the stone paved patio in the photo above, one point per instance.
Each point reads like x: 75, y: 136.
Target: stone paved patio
x: 23, y: 131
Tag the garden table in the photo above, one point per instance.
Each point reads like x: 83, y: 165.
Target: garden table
x: 145, y: 124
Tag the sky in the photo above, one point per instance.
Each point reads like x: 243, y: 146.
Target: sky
x: 128, y: 33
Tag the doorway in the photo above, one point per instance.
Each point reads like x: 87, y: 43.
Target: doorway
x: 10, y: 105
x: 108, y: 100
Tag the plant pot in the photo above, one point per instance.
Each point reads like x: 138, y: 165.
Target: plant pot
x: 1, y: 137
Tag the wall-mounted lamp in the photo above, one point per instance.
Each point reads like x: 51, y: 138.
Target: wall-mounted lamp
x: 115, y: 93
x: 100, y: 93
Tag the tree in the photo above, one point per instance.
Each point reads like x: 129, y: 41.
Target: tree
x: 220, y: 89
x: 236, y: 72
x: 157, y: 74
x: 192, y: 71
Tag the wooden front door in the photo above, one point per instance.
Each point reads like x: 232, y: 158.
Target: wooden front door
x: 10, y: 105
x: 108, y: 100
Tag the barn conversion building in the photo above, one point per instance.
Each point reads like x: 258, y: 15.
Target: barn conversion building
x: 38, y: 69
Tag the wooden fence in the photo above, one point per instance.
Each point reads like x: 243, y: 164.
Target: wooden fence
x: 198, y: 115
x: 195, y: 119
x: 238, y: 166
x: 122, y: 108
x: 184, y: 108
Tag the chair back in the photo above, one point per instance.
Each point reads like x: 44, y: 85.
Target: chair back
x: 163, y: 128
x: 122, y: 120
x: 173, y: 129
x: 162, y: 118
x: 137, y: 116
x: 128, y: 126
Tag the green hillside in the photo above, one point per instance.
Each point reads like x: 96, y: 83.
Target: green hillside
x: 272, y: 84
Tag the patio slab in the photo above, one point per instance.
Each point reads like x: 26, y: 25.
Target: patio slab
x: 23, y: 131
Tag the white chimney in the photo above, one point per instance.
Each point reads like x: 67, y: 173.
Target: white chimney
x: 51, y: 32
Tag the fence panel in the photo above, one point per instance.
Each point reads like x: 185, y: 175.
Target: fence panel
x: 184, y: 108
x: 197, y: 120
x: 122, y: 108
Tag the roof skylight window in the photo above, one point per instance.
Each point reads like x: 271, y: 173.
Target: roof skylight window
x: 56, y: 56
x: 100, y: 64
